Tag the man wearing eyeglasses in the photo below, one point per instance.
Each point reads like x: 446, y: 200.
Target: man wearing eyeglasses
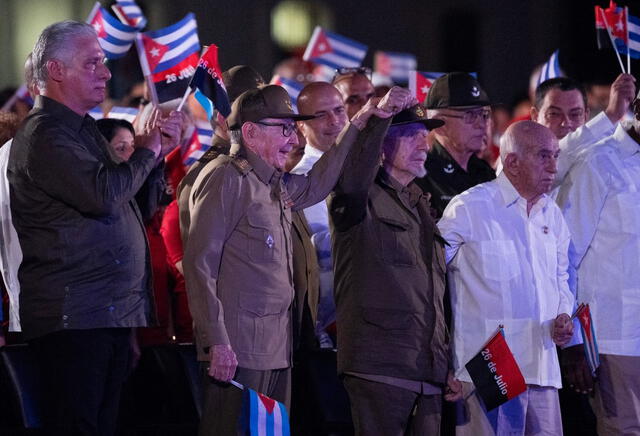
x: 238, y: 256
x: 452, y: 165
x: 355, y: 86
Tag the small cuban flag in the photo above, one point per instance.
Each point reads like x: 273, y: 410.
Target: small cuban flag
x: 583, y: 314
x: 420, y: 82
x: 114, y: 37
x: 200, y: 142
x: 551, y: 69
x: 123, y: 113
x: 292, y: 87
x: 262, y: 416
x: 333, y: 50
x: 395, y: 65
x: 129, y: 12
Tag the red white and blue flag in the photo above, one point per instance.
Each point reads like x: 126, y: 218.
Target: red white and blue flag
x: 333, y: 50
x: 583, y: 313
x: 624, y: 27
x: 495, y: 372
x: 208, y: 86
x: 130, y: 12
x: 171, y: 57
x: 551, y: 69
x: 114, y: 37
x: 420, y: 82
x: 395, y: 65
x: 200, y: 142
x: 123, y: 113
x: 263, y: 416
x: 292, y: 87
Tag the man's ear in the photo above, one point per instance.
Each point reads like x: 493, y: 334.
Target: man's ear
x: 534, y: 113
x: 55, y: 69
x: 511, y: 163
x: 250, y: 134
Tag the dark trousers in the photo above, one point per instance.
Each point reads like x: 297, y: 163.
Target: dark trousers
x: 223, y: 401
x: 82, y: 373
x: 379, y: 409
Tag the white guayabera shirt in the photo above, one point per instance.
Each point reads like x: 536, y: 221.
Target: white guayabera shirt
x: 507, y: 268
x: 600, y: 200
x: 10, y: 251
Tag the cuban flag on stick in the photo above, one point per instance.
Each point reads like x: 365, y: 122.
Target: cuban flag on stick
x: 420, y: 82
x: 114, y: 37
x: 207, y: 84
x: 170, y: 57
x: 588, y: 336
x: 130, y: 13
x: 261, y: 415
x: 613, y: 22
x: 200, y: 142
x: 495, y: 372
x: 551, y: 69
x: 123, y: 113
x: 333, y: 50
x: 292, y: 87
x: 395, y: 65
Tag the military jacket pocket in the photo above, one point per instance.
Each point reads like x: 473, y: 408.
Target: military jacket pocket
x: 396, y: 247
x: 262, y: 241
x: 261, y: 320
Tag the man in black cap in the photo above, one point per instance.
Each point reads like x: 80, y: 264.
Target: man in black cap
x: 392, y: 337
x: 452, y: 166
x: 238, y: 253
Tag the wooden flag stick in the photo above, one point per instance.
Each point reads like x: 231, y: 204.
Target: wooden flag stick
x: 613, y: 45
x: 626, y: 16
x: 184, y: 98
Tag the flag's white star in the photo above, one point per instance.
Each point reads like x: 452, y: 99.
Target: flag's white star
x: 97, y: 26
x: 424, y: 89
x: 619, y: 25
x: 154, y: 52
x: 322, y: 47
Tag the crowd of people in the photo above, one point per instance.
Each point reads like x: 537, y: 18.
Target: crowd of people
x: 393, y: 231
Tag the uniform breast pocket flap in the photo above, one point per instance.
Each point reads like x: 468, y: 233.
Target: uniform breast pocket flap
x: 262, y: 240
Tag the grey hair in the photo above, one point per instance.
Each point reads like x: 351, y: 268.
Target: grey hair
x: 29, y: 78
x: 235, y: 137
x: 510, y: 144
x: 55, y: 43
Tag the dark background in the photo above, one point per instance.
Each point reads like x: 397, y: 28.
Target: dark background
x: 502, y: 40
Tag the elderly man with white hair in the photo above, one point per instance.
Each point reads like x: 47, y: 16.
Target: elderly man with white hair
x: 507, y: 265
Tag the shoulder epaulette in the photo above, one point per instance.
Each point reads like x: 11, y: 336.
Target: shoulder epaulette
x: 241, y: 164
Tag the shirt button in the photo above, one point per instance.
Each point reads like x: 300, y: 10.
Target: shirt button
x: 65, y: 317
x: 65, y: 325
x: 117, y: 261
x: 111, y: 308
x: 66, y: 288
